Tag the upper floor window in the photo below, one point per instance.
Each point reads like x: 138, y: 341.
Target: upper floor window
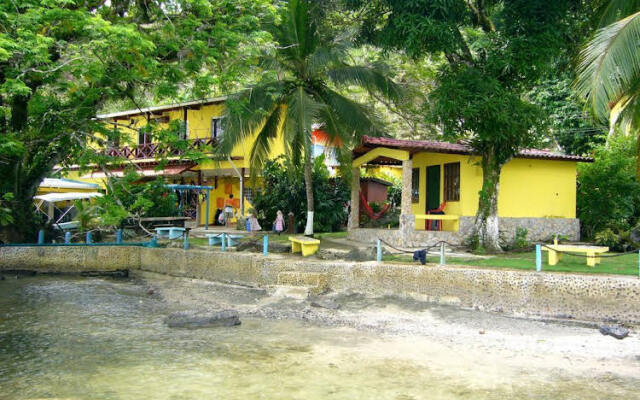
x: 216, y: 128
x: 144, y: 138
x: 452, y: 182
x: 184, y: 130
x: 415, y: 185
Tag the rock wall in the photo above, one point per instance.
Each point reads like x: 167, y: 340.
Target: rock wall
x: 583, y: 297
x: 539, y: 229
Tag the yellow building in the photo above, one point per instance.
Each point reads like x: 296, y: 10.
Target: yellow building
x: 201, y: 124
x: 537, y: 191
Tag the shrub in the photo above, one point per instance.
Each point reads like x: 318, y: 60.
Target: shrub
x: 608, y: 191
x: 286, y: 192
x: 520, y: 241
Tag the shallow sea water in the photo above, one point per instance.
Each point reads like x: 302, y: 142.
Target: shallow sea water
x: 92, y: 338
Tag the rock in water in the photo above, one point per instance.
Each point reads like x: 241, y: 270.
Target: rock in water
x: 190, y: 319
x: 616, y: 331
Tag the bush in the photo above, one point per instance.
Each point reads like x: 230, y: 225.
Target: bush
x: 620, y: 241
x: 520, y: 242
x: 286, y: 192
x: 608, y: 190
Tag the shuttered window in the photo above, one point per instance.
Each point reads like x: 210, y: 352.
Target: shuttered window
x: 452, y: 182
x: 415, y: 185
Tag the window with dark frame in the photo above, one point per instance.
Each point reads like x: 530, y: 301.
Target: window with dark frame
x: 415, y: 185
x: 452, y: 182
x: 216, y: 128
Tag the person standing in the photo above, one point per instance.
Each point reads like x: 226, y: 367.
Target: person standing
x: 228, y: 211
x: 278, y: 224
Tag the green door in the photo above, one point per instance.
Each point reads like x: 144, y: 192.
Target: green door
x: 433, y: 187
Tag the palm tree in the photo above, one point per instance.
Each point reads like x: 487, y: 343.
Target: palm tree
x: 609, y: 69
x: 299, y: 94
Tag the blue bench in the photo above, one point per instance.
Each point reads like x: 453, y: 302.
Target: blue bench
x: 216, y: 239
x: 171, y: 232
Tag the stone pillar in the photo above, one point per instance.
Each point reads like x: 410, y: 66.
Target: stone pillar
x: 354, y: 216
x: 407, y: 220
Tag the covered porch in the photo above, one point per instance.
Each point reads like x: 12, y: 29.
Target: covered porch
x: 422, y: 218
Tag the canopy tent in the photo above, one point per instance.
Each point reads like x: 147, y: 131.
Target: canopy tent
x: 53, y: 198
x: 56, y: 197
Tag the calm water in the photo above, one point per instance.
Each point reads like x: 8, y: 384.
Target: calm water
x: 73, y: 338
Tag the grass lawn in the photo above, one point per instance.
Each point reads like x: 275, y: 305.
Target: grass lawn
x: 623, y: 265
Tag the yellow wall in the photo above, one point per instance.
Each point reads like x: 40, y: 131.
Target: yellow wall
x: 528, y: 188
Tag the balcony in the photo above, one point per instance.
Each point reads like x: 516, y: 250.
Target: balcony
x: 157, y: 150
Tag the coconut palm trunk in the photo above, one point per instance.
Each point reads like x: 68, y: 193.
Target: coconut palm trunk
x: 308, y: 184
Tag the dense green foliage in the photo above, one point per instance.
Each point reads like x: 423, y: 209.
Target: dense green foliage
x: 491, y: 54
x: 608, y: 191
x: 298, y: 91
x: 284, y: 190
x: 63, y: 60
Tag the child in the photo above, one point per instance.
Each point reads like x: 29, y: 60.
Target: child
x: 254, y: 226
x: 278, y: 224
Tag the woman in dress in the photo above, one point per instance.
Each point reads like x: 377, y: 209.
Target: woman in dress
x: 278, y: 224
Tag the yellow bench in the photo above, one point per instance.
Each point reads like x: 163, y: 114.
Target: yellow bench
x: 306, y: 246
x: 593, y: 252
x: 440, y: 217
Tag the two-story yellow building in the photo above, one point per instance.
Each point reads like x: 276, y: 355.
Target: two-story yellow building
x: 201, y: 127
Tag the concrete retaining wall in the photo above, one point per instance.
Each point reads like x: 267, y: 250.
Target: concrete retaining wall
x: 584, y: 297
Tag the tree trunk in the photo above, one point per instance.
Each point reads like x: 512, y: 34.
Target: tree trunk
x: 487, y: 225
x: 308, y: 183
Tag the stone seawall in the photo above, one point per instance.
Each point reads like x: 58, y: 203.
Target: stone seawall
x: 583, y: 297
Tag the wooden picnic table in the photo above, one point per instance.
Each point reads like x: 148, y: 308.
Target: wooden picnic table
x: 154, y: 221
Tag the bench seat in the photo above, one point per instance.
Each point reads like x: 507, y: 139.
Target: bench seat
x: 593, y: 252
x: 306, y: 246
x: 216, y: 239
x: 172, y: 232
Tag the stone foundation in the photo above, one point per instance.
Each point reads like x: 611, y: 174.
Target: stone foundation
x: 539, y: 229
x: 583, y: 297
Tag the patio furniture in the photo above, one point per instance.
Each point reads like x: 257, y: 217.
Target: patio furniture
x: 593, y: 252
x: 440, y: 217
x: 216, y: 239
x: 162, y: 221
x: 306, y: 246
x: 171, y: 232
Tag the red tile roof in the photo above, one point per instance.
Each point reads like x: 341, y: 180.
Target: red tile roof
x: 415, y: 146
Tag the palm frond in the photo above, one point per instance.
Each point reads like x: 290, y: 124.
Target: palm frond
x: 346, y: 119
x: 610, y: 64
x: 368, y: 78
x: 613, y: 10
x: 266, y: 137
x: 246, y: 112
x: 302, y: 112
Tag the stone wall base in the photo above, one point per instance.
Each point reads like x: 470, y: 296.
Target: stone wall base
x: 538, y: 229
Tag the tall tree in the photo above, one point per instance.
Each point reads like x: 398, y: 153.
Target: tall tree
x: 297, y: 93
x: 492, y: 52
x: 62, y: 60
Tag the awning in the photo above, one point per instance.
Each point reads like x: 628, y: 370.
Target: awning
x: 59, y: 183
x: 150, y: 171
x: 56, y: 197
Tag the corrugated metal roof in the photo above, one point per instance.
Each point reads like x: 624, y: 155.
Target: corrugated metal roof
x: 61, y: 183
x: 415, y: 146
x: 137, y: 111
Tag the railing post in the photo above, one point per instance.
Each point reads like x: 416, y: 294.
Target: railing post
x: 119, y: 236
x: 442, y: 261
x: 638, y: 263
x: 379, y: 251
x: 185, y: 235
x: 224, y: 241
x: 88, y: 238
x: 67, y: 237
x: 538, y: 258
x: 154, y: 241
x: 265, y: 245
x: 41, y: 236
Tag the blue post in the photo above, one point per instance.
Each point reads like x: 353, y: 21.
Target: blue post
x: 88, y: 239
x: 119, y: 236
x: 442, y: 262
x: 379, y: 251
x: 40, y: 236
x: 154, y: 241
x: 206, y: 212
x: 67, y: 237
x: 186, y: 240
x: 265, y: 245
x: 638, y: 263
x: 538, y: 258
x: 224, y: 241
